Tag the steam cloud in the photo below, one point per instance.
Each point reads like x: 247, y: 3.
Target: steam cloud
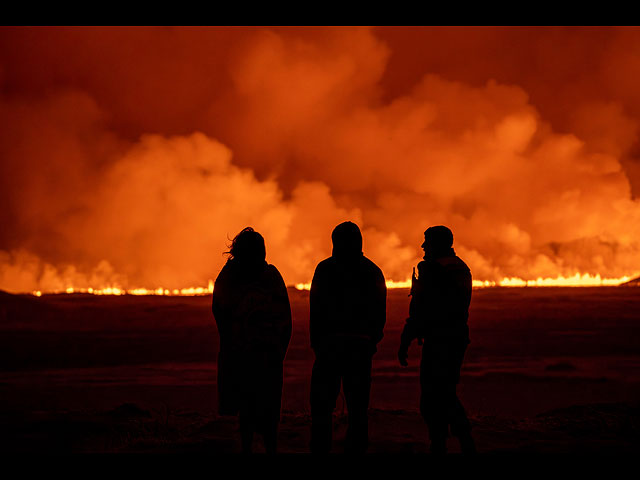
x: 132, y: 156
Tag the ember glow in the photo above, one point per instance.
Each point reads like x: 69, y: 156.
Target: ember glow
x: 130, y: 156
x: 577, y: 280
x: 191, y: 291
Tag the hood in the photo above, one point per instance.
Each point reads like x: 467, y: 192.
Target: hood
x: 347, y: 241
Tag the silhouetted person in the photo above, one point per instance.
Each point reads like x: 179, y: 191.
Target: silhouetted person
x: 438, y: 314
x: 253, y: 315
x: 348, y: 313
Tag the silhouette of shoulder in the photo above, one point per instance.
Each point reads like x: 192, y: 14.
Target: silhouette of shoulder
x: 325, y: 264
x: 273, y: 274
x: 453, y: 262
x: 440, y: 265
x: 373, y: 267
x: 364, y: 265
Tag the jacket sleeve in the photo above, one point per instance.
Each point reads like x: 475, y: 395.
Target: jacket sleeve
x: 219, y: 300
x: 284, y: 309
x: 379, y: 313
x: 317, y: 308
x: 409, y: 333
x: 418, y: 307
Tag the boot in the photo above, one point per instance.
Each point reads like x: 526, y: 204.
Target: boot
x: 467, y: 445
x: 439, y: 446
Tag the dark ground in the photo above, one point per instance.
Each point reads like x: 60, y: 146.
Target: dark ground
x: 549, y: 370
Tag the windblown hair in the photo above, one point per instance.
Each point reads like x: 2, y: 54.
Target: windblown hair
x: 247, y: 246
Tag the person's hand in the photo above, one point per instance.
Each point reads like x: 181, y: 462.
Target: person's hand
x: 403, y: 354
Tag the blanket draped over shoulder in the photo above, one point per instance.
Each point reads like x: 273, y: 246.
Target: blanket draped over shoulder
x: 253, y: 315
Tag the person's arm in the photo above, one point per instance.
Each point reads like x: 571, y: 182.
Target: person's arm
x: 413, y: 328
x: 220, y: 299
x: 409, y: 332
x: 284, y: 312
x: 380, y: 308
x: 317, y: 308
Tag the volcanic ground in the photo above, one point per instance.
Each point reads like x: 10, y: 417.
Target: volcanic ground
x: 547, y: 370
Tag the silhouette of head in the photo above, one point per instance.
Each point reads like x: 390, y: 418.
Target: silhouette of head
x: 437, y: 241
x: 347, y: 240
x: 248, y: 247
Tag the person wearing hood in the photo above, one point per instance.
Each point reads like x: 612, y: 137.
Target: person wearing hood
x: 253, y: 315
x: 347, y: 317
x: 438, y: 314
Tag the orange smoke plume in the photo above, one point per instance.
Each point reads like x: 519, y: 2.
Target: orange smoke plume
x: 136, y: 178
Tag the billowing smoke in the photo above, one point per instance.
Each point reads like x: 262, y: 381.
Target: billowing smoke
x: 131, y: 157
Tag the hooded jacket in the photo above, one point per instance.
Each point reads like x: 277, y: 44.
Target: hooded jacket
x: 440, y: 299
x: 347, y: 300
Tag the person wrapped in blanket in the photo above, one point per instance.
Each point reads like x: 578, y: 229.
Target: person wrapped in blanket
x: 253, y: 315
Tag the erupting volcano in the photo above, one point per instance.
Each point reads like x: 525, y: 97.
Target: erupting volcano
x: 130, y: 156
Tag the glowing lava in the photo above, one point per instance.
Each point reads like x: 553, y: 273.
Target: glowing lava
x: 577, y: 280
x: 116, y: 290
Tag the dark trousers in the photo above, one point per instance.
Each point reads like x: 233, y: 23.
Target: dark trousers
x: 349, y: 365
x: 253, y: 387
x: 439, y: 376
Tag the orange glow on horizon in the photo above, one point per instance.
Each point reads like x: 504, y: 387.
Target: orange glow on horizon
x: 577, y: 280
x: 131, y: 157
x: 118, y: 290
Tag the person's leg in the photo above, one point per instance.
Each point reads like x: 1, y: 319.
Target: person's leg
x: 433, y: 410
x: 246, y: 432
x: 432, y: 397
x: 270, y: 437
x: 325, y: 387
x: 357, y: 388
x: 270, y: 399
x: 460, y: 425
x: 457, y: 417
x: 268, y: 420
